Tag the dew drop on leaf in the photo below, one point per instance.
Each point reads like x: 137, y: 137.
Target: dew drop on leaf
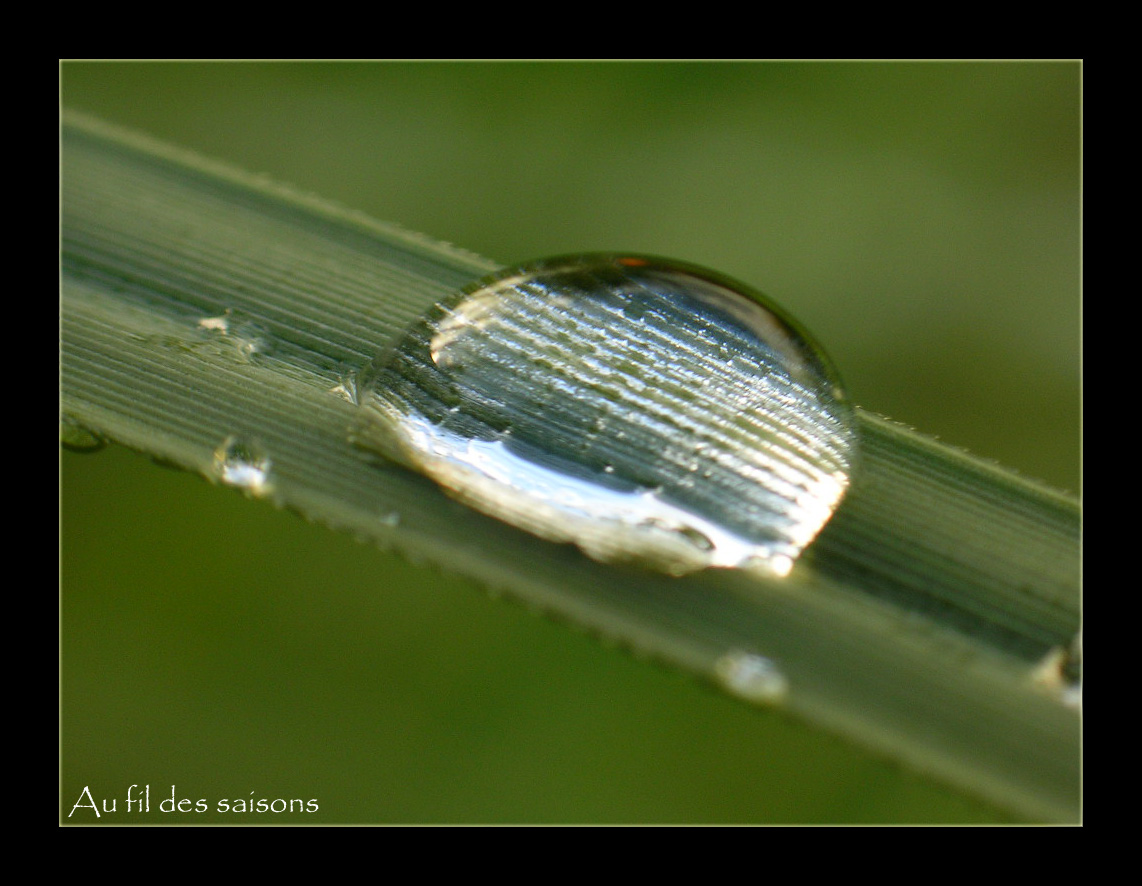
x: 244, y: 465
x: 648, y: 411
x: 751, y: 677
x: 74, y: 437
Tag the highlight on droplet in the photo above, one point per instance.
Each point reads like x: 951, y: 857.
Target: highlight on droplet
x: 1060, y: 673
x: 648, y: 411
x: 243, y: 464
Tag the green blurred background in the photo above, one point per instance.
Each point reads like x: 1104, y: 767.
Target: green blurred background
x: 922, y: 220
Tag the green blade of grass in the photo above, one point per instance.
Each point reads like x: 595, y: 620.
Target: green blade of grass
x: 203, y: 309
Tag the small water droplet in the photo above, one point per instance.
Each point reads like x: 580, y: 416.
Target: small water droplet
x: 220, y: 323
x: 244, y: 465
x: 1061, y: 673
x: 659, y: 413
x: 241, y: 337
x: 751, y: 677
x: 75, y: 437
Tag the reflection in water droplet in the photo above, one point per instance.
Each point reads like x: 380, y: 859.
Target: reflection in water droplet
x: 647, y: 411
x: 244, y: 465
x: 77, y: 438
x: 752, y: 678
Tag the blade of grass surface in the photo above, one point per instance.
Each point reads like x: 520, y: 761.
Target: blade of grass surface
x: 202, y: 308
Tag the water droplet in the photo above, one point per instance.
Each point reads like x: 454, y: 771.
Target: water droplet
x: 77, y: 438
x: 242, y: 338
x: 1061, y: 673
x: 751, y: 677
x: 648, y: 411
x: 220, y: 323
x: 244, y: 465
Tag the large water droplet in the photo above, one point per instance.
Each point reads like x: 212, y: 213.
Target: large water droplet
x: 648, y: 411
